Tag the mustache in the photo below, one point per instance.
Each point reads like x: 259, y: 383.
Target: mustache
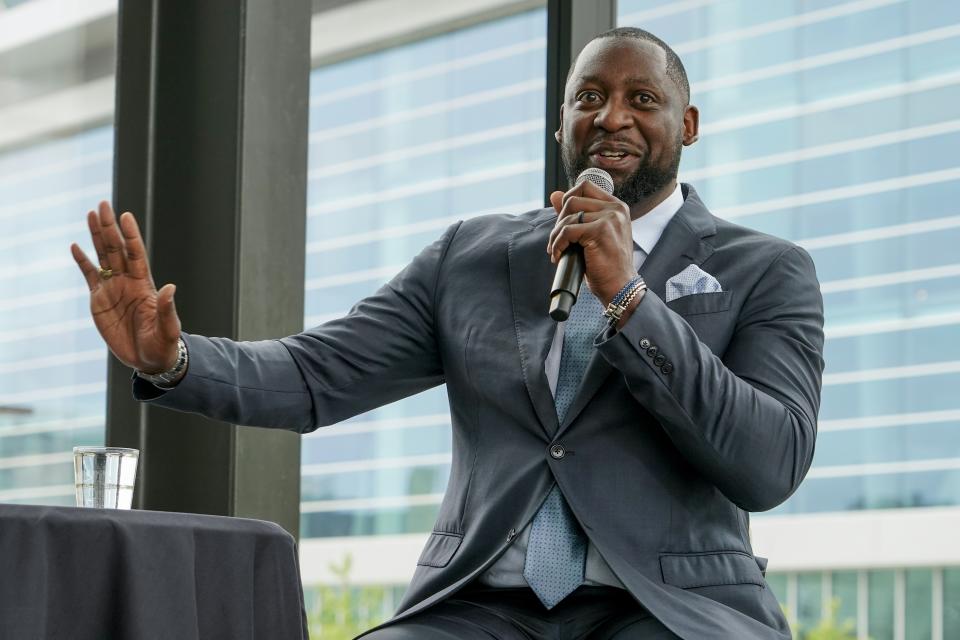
x: 620, y: 143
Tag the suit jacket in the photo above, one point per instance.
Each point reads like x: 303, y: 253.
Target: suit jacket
x: 695, y: 413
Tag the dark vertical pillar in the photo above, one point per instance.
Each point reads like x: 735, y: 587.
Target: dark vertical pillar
x: 210, y: 155
x: 570, y: 25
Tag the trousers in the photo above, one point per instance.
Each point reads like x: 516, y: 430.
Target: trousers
x: 479, y: 612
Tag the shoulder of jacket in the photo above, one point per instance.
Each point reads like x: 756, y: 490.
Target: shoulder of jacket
x: 498, y: 227
x: 735, y: 237
x: 508, y: 221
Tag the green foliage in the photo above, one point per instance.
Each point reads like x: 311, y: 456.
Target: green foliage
x: 341, y: 612
x: 829, y: 628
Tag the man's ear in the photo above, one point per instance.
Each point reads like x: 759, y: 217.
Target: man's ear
x: 558, y: 134
x: 691, y: 125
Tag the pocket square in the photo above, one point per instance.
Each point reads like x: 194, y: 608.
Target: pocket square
x: 690, y: 281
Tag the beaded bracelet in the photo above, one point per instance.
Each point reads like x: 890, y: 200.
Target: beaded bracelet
x: 622, y: 300
x: 618, y: 299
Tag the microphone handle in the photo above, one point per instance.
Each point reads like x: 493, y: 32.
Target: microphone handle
x: 566, y: 283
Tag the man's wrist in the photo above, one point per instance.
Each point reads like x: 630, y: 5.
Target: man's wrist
x: 169, y: 378
x: 179, y: 376
x: 629, y: 310
x: 624, y: 300
x: 608, y: 291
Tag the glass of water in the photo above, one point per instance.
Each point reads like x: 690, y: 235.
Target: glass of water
x: 104, y: 476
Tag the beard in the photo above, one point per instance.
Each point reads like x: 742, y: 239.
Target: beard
x: 642, y: 183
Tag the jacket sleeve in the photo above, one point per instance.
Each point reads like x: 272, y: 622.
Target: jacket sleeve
x: 384, y: 349
x: 747, y: 422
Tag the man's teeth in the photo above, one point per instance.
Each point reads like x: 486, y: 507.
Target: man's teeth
x: 612, y: 154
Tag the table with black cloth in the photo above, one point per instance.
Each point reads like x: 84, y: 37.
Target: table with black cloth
x: 101, y: 574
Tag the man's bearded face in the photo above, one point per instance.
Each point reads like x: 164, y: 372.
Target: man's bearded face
x: 623, y: 113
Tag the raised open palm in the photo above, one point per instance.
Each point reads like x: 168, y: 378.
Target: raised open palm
x: 138, y: 323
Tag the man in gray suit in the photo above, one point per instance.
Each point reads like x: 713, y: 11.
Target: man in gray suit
x: 603, y: 469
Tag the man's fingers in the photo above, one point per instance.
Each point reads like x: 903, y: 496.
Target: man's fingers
x: 566, y: 221
x: 136, y: 255
x: 93, y: 222
x: 573, y: 206
x: 556, y: 199
x: 569, y: 234
x: 112, y: 240
x: 570, y: 215
x: 90, y: 272
x: 587, y: 189
x: 167, y: 313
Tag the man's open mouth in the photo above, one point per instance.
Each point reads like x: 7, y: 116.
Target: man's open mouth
x: 612, y: 159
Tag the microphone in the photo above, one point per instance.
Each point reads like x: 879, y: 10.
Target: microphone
x: 570, y: 267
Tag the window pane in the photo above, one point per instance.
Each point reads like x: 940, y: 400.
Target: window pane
x: 874, y: 491
x: 344, y: 484
x: 951, y: 602
x: 809, y: 599
x: 369, y: 522
x: 56, y: 163
x: 919, y: 603
x: 880, y: 597
x: 844, y: 589
x: 778, y: 584
x: 408, y: 140
x: 833, y: 124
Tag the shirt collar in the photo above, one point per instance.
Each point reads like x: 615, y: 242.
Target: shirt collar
x: 648, y: 228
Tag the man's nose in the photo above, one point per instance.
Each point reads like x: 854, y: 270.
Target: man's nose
x: 614, y: 116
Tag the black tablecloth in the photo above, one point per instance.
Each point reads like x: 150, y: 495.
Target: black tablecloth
x: 101, y: 574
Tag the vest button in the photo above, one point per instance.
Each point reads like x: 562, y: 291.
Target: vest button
x: 557, y: 451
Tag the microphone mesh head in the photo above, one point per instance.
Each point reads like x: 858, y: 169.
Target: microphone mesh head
x: 598, y: 177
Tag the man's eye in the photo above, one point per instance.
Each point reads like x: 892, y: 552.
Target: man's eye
x: 589, y: 96
x: 644, y: 98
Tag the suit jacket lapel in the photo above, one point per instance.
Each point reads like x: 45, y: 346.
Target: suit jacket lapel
x: 680, y: 245
x: 531, y: 274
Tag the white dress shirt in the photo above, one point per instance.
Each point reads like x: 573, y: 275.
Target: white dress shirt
x: 507, y: 571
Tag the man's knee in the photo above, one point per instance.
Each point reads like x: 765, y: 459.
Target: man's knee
x: 390, y: 633
x: 410, y: 631
x: 440, y: 625
x: 633, y: 627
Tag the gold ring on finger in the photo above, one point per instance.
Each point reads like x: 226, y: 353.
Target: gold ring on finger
x: 105, y: 273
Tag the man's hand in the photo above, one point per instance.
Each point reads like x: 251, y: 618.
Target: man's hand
x: 605, y: 235
x: 138, y: 323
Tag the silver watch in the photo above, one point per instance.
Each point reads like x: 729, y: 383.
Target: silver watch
x: 165, y: 378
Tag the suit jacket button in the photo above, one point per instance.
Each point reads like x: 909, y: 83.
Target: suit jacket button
x: 511, y: 535
x: 644, y: 343
x: 666, y: 368
x: 557, y: 451
x: 660, y: 360
x: 652, y: 351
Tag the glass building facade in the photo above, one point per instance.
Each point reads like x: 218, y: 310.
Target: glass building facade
x: 833, y: 124
x: 56, y: 162
x: 403, y: 143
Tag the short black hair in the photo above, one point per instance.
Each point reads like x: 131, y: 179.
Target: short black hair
x: 675, y: 69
